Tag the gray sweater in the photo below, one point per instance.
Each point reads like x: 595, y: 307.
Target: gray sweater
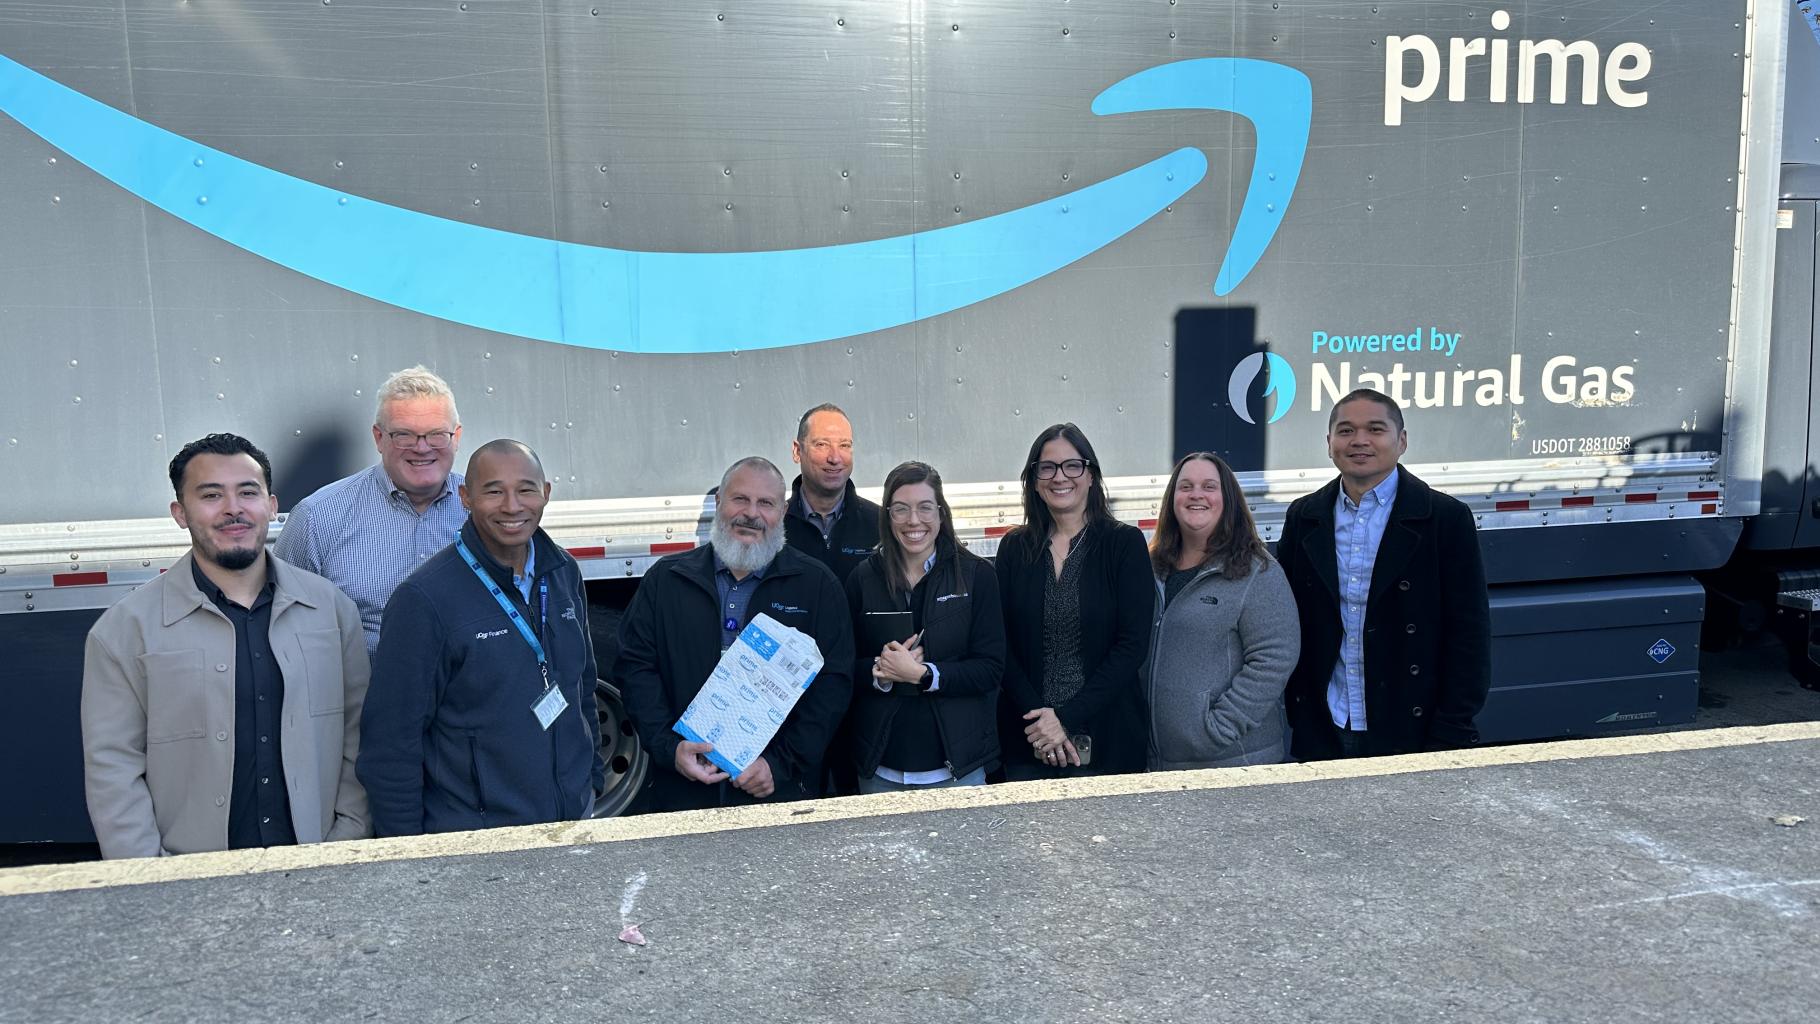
x: 1220, y: 655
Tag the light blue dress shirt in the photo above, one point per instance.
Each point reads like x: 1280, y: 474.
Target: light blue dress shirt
x: 1358, y: 529
x: 365, y: 536
x: 524, y: 580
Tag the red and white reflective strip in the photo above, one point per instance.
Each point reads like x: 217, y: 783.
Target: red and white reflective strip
x: 1709, y: 501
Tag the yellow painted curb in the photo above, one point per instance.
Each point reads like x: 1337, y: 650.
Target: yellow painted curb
x: 96, y: 875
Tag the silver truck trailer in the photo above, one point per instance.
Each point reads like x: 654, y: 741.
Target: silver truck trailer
x: 644, y: 237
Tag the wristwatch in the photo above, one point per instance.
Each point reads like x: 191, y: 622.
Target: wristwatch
x: 927, y: 680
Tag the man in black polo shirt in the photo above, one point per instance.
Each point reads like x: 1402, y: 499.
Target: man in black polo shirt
x: 687, y: 611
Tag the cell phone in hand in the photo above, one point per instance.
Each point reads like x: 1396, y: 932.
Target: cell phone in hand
x: 1083, y: 746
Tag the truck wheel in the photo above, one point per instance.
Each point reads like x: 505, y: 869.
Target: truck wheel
x: 620, y: 749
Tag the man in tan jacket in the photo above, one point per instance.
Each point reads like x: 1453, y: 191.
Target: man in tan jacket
x: 221, y: 701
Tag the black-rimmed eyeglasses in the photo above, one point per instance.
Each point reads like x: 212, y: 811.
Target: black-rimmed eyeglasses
x: 1070, y: 468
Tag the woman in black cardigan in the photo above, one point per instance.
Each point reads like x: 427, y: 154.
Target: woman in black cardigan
x: 1078, y: 598
x: 931, y: 647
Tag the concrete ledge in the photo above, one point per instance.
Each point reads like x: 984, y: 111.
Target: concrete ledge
x: 105, y: 874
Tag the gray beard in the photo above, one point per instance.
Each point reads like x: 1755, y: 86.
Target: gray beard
x: 739, y: 556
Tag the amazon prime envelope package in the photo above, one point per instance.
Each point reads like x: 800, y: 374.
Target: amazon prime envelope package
x: 751, y: 692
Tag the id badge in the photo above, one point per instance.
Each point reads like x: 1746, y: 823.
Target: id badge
x: 549, y: 706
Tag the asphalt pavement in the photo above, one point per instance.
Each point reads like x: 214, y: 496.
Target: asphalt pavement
x: 1649, y: 886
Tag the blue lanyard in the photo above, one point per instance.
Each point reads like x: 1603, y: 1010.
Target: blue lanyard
x: 505, y: 604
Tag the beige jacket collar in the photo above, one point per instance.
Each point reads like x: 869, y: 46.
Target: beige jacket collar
x: 182, y: 597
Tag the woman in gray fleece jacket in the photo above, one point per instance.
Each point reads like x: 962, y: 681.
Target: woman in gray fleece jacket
x: 1226, y: 634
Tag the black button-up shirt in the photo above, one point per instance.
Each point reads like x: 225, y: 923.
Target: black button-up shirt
x: 259, y: 811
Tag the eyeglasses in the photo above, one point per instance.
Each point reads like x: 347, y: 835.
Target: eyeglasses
x: 923, y: 510
x: 1072, y: 469
x: 437, y: 439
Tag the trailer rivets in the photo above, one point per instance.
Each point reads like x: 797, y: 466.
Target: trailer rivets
x: 53, y: 161
x: 489, y: 389
x: 202, y: 200
x: 77, y: 400
x: 343, y: 201
x: 56, y: 199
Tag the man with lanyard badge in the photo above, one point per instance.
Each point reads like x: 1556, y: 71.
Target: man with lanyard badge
x: 482, y: 707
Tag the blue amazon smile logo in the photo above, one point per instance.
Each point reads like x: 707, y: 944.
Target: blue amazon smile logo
x: 1281, y: 377
x: 685, y: 302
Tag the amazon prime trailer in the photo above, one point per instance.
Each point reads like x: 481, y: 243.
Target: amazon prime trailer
x: 644, y: 237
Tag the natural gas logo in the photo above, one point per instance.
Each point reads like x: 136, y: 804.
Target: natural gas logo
x: 1281, y: 382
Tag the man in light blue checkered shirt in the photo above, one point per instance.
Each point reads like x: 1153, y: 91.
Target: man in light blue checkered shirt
x: 367, y: 532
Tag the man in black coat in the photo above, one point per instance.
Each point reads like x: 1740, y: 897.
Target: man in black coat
x: 1390, y: 588
x: 827, y: 519
x: 688, y: 610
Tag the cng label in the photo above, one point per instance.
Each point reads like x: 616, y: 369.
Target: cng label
x: 1661, y: 650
